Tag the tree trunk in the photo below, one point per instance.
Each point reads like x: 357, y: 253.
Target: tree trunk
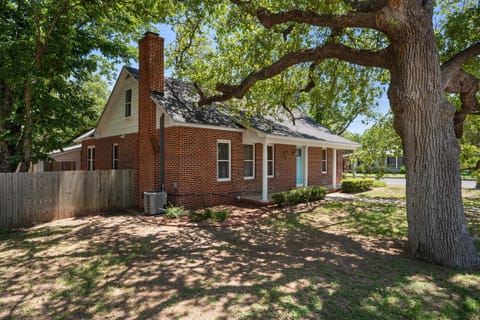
x: 28, y: 130
x: 423, y: 118
x: 4, y: 110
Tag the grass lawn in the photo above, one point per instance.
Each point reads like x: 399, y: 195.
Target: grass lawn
x: 335, y: 260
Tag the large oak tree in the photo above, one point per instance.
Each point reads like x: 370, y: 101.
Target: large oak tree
x: 274, y: 52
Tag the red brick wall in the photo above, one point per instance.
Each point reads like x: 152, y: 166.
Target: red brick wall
x: 191, y: 166
x: 191, y: 162
x: 339, y: 166
x: 127, y: 147
x: 151, y: 78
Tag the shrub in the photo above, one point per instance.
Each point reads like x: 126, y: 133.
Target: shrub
x: 379, y: 184
x: 299, y: 195
x: 221, y: 215
x: 403, y: 169
x: 198, y: 216
x: 174, y: 212
x: 356, y: 185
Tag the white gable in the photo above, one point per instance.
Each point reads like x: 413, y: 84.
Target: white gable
x: 113, y: 121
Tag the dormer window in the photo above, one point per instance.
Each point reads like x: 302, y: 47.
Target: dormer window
x: 128, y: 103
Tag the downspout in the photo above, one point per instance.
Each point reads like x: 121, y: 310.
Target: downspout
x: 162, y: 152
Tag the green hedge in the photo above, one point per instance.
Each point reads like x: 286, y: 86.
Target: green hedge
x: 299, y: 195
x: 356, y: 185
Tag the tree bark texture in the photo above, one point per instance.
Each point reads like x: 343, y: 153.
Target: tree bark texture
x: 424, y: 120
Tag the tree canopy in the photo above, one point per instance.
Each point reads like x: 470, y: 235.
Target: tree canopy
x: 52, y: 54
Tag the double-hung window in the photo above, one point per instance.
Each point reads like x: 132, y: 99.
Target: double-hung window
x: 249, y: 161
x: 115, y: 156
x: 270, y: 162
x: 128, y: 103
x: 91, y: 158
x: 324, y: 160
x: 223, y: 160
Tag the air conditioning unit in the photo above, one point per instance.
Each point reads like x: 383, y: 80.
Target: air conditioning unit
x: 154, y: 202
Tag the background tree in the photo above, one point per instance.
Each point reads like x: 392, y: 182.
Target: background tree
x: 470, y: 148
x: 265, y: 51
x: 378, y: 142
x: 50, y: 52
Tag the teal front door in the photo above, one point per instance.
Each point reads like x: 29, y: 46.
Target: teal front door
x: 300, y: 172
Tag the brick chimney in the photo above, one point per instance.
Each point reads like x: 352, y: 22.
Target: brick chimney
x: 151, y: 78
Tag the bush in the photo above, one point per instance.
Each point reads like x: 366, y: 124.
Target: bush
x: 174, y: 212
x: 403, y: 169
x: 221, y: 215
x: 299, y: 195
x: 356, y: 185
x: 379, y: 184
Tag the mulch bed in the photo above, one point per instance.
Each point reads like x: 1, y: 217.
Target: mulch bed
x: 242, y: 214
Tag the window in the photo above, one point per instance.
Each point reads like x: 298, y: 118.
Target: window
x: 324, y: 161
x: 270, y: 159
x: 223, y: 160
x: 91, y: 158
x: 128, y: 103
x: 115, y: 156
x: 249, y: 161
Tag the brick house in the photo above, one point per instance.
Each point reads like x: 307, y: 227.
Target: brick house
x: 203, y: 155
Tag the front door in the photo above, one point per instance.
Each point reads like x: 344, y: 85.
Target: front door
x: 300, y: 167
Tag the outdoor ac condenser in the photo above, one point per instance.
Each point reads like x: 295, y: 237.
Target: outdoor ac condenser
x: 154, y: 202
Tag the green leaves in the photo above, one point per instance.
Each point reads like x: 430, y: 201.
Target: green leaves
x: 60, y: 48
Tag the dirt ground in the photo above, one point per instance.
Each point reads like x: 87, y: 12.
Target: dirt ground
x: 134, y: 267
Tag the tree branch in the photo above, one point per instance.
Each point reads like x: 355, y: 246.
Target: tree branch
x: 456, y: 80
x: 329, y: 50
x: 452, y: 66
x: 353, y: 20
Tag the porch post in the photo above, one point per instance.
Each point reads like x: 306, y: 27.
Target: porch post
x: 265, y: 173
x: 305, y: 172
x: 334, y: 168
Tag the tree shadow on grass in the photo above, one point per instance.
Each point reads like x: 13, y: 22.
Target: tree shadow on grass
x: 290, y: 266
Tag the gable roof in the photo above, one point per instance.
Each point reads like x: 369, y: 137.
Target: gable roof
x: 179, y: 102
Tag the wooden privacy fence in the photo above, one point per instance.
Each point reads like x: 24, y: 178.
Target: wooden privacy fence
x: 29, y: 198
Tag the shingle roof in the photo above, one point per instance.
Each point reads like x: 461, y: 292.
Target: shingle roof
x: 179, y: 102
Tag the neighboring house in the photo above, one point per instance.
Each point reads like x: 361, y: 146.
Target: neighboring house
x: 393, y: 164
x: 203, y: 155
x: 67, y: 159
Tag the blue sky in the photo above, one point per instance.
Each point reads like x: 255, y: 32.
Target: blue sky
x: 358, y: 126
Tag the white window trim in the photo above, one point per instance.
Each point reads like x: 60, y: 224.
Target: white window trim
x: 90, y: 160
x: 252, y: 177
x: 125, y: 104
x: 113, y: 156
x: 273, y: 161
x: 229, y: 161
x: 325, y: 160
